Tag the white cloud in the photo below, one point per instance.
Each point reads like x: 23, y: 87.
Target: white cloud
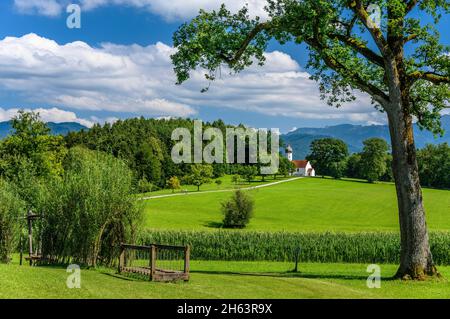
x: 47, y: 115
x: 41, y: 7
x: 111, y: 78
x: 140, y: 80
x: 170, y: 10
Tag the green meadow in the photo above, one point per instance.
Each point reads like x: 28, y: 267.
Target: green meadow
x: 302, y: 205
x: 221, y: 280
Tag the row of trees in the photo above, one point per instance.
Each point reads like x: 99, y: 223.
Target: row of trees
x: 330, y: 157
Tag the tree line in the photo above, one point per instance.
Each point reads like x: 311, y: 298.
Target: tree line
x: 146, y: 144
x: 330, y: 157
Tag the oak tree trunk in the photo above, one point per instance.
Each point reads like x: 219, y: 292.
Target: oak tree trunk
x: 416, y: 261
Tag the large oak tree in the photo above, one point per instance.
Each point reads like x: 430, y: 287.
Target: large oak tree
x: 399, y: 62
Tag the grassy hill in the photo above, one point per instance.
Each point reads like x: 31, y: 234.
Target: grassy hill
x: 307, y: 204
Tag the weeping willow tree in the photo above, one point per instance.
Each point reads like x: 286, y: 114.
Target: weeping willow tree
x: 399, y: 62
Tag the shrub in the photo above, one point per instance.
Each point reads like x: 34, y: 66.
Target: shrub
x: 11, y: 211
x: 173, y: 183
x: 235, y: 179
x: 238, y: 210
x: 144, y: 186
x: 218, y: 182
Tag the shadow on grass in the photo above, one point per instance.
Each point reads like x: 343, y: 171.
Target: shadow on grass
x: 128, y: 277
x: 220, y: 225
x: 289, y: 274
x: 213, y: 224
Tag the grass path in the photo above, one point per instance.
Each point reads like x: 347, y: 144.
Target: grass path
x: 221, y: 190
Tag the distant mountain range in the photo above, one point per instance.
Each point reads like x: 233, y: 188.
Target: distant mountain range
x: 56, y: 128
x: 354, y: 135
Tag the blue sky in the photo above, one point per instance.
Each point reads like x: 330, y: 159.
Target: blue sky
x: 117, y: 65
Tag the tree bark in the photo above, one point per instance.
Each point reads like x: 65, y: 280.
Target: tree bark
x: 416, y: 261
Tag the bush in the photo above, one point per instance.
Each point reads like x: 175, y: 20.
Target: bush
x: 238, y: 210
x: 144, y: 186
x: 173, y: 183
x: 11, y: 210
x: 367, y: 247
x: 235, y: 178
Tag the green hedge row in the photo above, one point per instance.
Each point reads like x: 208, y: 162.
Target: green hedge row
x: 371, y: 247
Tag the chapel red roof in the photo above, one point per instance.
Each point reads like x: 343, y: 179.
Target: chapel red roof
x: 300, y: 163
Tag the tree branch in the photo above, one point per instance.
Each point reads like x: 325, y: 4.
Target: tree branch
x: 348, y: 25
x: 377, y: 94
x: 257, y: 29
x: 351, y: 25
x: 410, y: 38
x: 410, y: 5
x: 357, y: 7
x: 360, y: 47
x: 430, y: 77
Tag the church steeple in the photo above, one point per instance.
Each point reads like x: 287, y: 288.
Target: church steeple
x: 288, y: 151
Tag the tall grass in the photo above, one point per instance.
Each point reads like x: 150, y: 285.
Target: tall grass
x: 11, y: 210
x: 370, y: 247
x: 89, y: 211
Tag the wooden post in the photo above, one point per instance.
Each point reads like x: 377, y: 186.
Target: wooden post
x: 153, y: 252
x: 121, y: 258
x: 297, y: 253
x: 187, y: 255
x: 21, y: 247
x: 30, y: 237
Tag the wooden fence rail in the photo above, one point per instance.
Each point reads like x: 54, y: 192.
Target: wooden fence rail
x: 155, y: 262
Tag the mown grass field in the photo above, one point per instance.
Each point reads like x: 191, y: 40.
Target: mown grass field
x: 221, y: 280
x: 307, y: 204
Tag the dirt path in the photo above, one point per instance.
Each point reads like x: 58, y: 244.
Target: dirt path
x: 221, y: 190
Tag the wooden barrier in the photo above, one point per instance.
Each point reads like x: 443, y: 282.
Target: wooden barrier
x: 155, y: 262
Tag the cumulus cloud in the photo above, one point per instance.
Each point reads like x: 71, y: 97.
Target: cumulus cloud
x: 48, y: 115
x: 75, y: 75
x: 41, y: 7
x: 140, y: 80
x: 170, y: 10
